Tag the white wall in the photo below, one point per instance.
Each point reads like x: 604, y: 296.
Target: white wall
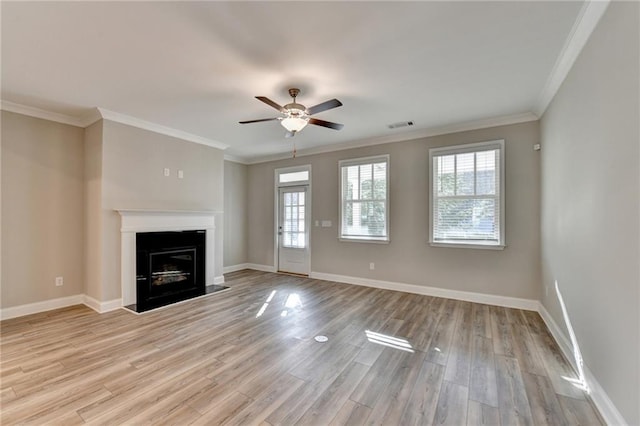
x: 590, y: 210
x: 408, y: 258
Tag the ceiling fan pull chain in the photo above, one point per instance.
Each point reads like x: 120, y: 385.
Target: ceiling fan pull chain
x: 294, y: 149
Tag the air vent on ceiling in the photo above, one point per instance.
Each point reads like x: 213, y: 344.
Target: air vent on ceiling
x: 400, y: 124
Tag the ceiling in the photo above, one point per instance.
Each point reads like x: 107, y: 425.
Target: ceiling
x: 196, y: 66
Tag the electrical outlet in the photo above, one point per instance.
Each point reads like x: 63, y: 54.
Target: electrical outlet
x: 167, y: 172
x: 59, y: 281
x: 372, y: 266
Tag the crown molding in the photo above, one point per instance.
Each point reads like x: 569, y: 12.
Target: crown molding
x: 101, y: 113
x: 40, y: 113
x: 157, y: 128
x: 585, y: 23
x: 503, y: 120
x: 91, y: 117
x: 235, y: 159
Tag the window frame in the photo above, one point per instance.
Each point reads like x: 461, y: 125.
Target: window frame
x: 341, y: 202
x: 462, y: 149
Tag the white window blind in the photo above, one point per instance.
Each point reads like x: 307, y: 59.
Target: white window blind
x: 364, y: 205
x: 467, y: 195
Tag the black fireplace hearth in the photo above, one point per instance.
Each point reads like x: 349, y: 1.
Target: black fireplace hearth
x: 170, y: 267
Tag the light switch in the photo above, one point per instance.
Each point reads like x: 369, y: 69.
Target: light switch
x: 326, y: 224
x: 180, y: 174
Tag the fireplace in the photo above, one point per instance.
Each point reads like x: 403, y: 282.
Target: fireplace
x: 170, y: 267
x: 135, y: 222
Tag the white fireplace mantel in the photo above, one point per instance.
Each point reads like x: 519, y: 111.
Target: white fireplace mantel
x: 134, y: 221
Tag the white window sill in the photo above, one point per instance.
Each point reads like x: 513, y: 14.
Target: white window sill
x: 364, y: 240
x: 475, y: 245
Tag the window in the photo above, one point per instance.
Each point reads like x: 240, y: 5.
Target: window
x: 295, y: 177
x: 364, y: 212
x: 467, y: 195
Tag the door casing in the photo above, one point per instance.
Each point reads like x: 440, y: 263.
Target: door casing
x: 276, y: 215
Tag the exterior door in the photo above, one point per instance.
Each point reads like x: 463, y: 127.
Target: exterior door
x: 293, y: 230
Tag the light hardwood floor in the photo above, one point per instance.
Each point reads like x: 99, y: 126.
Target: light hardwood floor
x: 247, y: 356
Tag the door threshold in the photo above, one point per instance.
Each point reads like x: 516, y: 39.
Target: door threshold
x: 293, y: 274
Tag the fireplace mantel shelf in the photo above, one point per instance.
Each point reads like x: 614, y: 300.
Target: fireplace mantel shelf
x: 156, y: 211
x: 143, y: 220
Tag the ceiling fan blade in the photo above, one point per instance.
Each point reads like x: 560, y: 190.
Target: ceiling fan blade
x: 333, y: 103
x: 289, y: 134
x: 258, y: 121
x: 271, y: 103
x: 335, y: 126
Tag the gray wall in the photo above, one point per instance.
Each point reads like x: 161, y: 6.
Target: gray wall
x: 133, y: 160
x: 408, y: 258
x: 60, y: 185
x: 42, y: 209
x: 236, y: 213
x: 590, y: 212
x: 93, y: 239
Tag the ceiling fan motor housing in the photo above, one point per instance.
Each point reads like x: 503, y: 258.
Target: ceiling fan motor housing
x: 293, y: 92
x: 295, y: 110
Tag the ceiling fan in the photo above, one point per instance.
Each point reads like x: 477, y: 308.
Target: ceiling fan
x: 296, y: 116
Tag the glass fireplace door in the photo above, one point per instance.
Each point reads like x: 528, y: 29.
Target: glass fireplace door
x: 172, y: 271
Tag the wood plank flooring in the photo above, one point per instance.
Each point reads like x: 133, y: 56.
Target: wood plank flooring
x: 246, y: 356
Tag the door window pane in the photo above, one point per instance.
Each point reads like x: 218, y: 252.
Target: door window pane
x: 293, y: 230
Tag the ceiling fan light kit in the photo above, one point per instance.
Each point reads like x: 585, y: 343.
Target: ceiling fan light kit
x: 295, y: 116
x: 294, y: 123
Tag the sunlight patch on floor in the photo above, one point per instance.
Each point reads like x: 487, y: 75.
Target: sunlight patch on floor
x: 389, y: 341
x: 580, y: 382
x: 265, y: 304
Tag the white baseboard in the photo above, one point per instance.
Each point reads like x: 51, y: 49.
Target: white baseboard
x: 263, y: 268
x: 37, y: 307
x: 489, y: 299
x: 254, y: 266
x: 63, y: 302
x: 603, y: 403
x: 561, y: 339
x: 102, y: 307
x: 234, y: 268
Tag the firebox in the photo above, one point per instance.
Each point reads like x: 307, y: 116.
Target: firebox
x: 170, y: 267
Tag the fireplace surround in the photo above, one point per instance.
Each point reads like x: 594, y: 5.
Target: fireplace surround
x: 134, y: 222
